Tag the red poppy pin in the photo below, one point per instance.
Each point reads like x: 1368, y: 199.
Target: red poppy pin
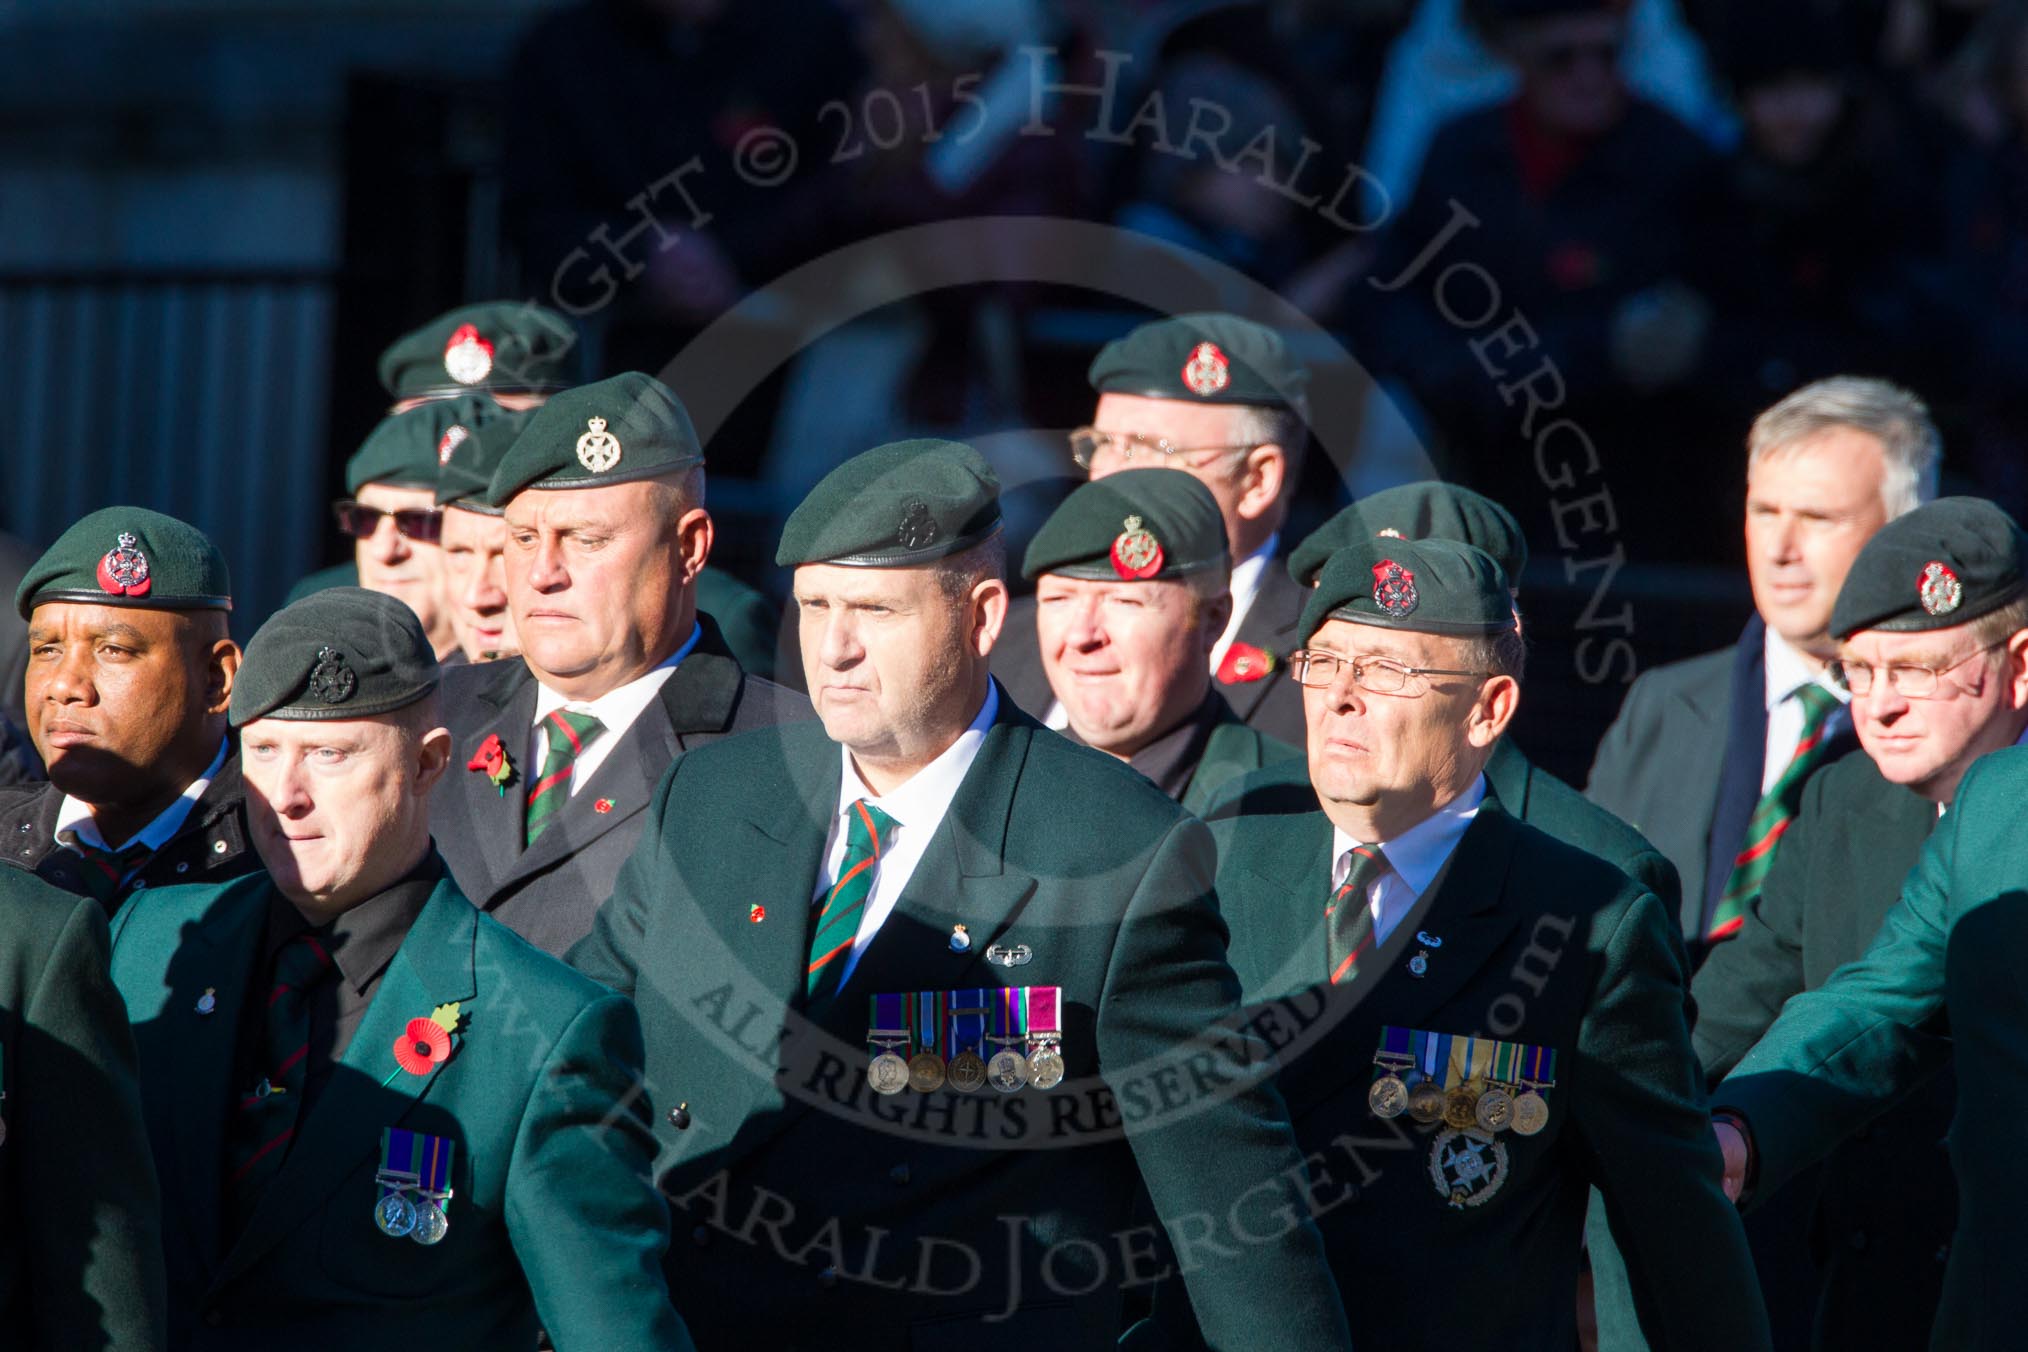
x: 603, y: 806
x: 492, y: 761
x: 426, y: 1043
x: 756, y: 913
x: 1243, y: 663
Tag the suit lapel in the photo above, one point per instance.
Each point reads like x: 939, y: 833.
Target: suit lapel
x: 1740, y: 774
x: 1270, y: 625
x: 493, y: 821
x: 217, y: 954
x: 1292, y: 854
x: 369, y: 1091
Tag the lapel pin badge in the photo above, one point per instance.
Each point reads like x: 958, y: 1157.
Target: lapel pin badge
x: 603, y: 805
x: 961, y: 942
x: 1419, y: 964
x: 756, y: 913
x: 208, y: 1001
x: 1009, y: 955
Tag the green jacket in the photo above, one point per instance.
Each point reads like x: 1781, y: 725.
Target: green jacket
x: 1521, y: 787
x: 1233, y: 751
x: 80, y: 1220
x: 1948, y: 952
x: 1536, y: 943
x: 922, y: 1220
x: 549, y: 1175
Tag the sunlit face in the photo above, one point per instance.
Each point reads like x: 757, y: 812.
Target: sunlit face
x: 124, y: 703
x: 1927, y: 744
x: 599, y: 581
x: 890, y: 659
x: 475, y: 584
x: 1245, y: 485
x: 1397, y: 758
x: 411, y: 571
x: 1128, y: 660
x: 337, y: 808
x: 1810, y: 508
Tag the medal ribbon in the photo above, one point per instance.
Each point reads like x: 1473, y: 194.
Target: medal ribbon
x: 931, y: 1015
x: 886, y: 1015
x: 427, y: 1159
x: 397, y: 1162
x: 968, y: 1023
x: 1540, y: 1063
x: 1044, y: 1023
x: 1010, y: 1015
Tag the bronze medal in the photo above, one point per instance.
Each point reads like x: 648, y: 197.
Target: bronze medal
x: 1388, y: 1096
x: 1426, y: 1102
x: 1461, y: 1108
x: 967, y: 1073
x: 925, y: 1072
x: 1531, y: 1113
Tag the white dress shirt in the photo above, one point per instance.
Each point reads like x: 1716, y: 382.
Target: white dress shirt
x: 76, y: 825
x: 1787, y: 673
x: 617, y: 709
x: 917, y: 807
x: 1414, y: 858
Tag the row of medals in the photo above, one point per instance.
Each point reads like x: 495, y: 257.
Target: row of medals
x: 422, y: 1221
x: 926, y: 1072
x: 1489, y: 1107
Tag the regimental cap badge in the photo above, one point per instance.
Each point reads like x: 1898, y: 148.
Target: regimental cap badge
x: 468, y: 357
x: 1390, y: 533
x: 1207, y: 371
x: 597, y: 450
x: 1137, y: 554
x: 331, y: 681
x: 918, y: 529
x: 123, y: 570
x: 454, y: 436
x: 1938, y: 588
x: 1394, y: 589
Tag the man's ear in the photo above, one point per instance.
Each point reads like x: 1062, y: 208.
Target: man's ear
x: 433, y: 754
x: 1493, y: 711
x: 1263, y: 475
x: 988, y: 615
x: 221, y: 669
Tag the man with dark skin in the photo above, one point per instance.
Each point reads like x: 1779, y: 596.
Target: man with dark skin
x: 130, y: 672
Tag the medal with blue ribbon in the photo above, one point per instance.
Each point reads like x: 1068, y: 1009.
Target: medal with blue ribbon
x: 411, y: 1162
x: 926, y: 1067
x: 886, y: 1029
x: 967, y: 1069
x: 1007, y: 1071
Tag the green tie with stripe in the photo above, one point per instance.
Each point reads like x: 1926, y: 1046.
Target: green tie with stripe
x: 836, y: 925
x: 1348, y: 917
x: 267, y: 1116
x: 105, y: 868
x: 1771, y: 819
x: 568, y: 735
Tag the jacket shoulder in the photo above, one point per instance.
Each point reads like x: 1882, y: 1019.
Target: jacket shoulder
x: 544, y: 987
x: 37, y: 914
x: 763, y: 703
x: 1706, y: 671
x: 1093, y: 788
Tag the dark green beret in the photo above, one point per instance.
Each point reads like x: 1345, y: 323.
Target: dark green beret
x: 407, y: 450
x: 1430, y: 510
x: 471, y: 454
x: 502, y: 346
x: 1202, y: 359
x: 1131, y: 526
x: 895, y: 506
x: 1944, y: 563
x: 1421, y: 586
x: 611, y: 432
x: 129, y: 556
x: 340, y: 653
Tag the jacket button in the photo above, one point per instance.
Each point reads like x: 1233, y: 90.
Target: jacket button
x: 701, y: 1236
x: 828, y: 1277
x: 183, y: 867
x: 898, y: 1175
x: 219, y: 847
x: 137, y: 884
x: 679, y: 1117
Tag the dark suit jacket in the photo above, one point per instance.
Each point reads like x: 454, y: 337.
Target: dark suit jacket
x: 1232, y: 752
x: 1536, y: 943
x: 1880, y: 1211
x: 1522, y: 788
x: 80, y: 1218
x: 551, y: 1213
x: 1948, y: 953
x: 548, y: 893
x: 1004, y: 1201
x: 210, y: 847
x: 1271, y: 704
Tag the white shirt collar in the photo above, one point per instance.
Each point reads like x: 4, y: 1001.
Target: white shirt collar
x: 75, y: 822
x: 1788, y: 672
x: 1419, y: 853
x: 616, y: 709
x: 1245, y: 589
x: 920, y: 803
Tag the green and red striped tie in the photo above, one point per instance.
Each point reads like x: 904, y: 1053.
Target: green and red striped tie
x: 105, y: 868
x: 567, y: 734
x: 1771, y: 818
x: 1348, y: 917
x: 267, y: 1114
x: 836, y: 925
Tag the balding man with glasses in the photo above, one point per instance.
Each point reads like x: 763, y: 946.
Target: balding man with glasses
x: 1223, y: 400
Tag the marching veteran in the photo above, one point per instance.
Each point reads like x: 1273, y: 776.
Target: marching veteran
x: 373, y: 1108
x: 80, y: 1219
x: 556, y: 754
x: 130, y: 673
x: 919, y: 983
x: 1500, y: 1019
x: 1130, y: 596
x: 474, y: 540
x: 1855, y: 980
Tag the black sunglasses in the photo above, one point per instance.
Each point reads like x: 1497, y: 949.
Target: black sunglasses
x: 356, y: 519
